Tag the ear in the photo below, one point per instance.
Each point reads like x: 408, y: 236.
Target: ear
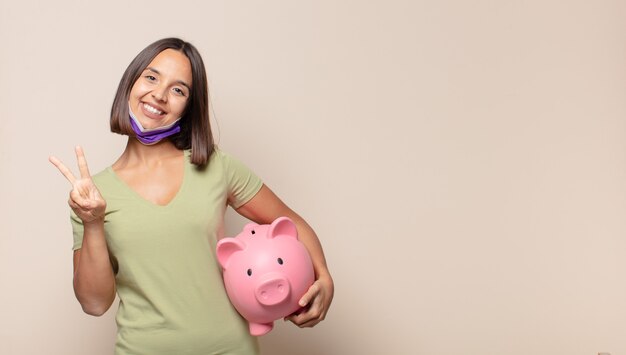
x: 283, y: 226
x: 226, y: 248
x: 249, y: 227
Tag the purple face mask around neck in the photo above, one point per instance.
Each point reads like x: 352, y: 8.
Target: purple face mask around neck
x: 149, y: 136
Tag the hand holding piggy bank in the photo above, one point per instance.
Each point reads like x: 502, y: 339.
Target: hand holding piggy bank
x: 266, y: 271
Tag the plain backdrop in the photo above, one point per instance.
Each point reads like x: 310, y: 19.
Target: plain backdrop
x: 463, y: 162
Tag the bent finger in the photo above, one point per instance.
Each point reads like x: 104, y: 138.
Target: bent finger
x: 309, y: 295
x: 310, y: 323
x: 79, y: 210
x: 309, y: 316
x: 63, y: 169
x: 306, y: 319
x: 78, y: 199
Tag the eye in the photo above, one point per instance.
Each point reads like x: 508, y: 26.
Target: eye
x: 249, y: 272
x: 150, y: 77
x: 179, y: 91
x: 280, y: 261
x: 253, y: 232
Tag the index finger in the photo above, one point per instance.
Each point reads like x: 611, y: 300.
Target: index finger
x: 63, y: 169
x: 82, y: 163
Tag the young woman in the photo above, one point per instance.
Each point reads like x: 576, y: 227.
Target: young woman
x: 146, y: 227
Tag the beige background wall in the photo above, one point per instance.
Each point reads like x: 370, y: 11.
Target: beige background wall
x: 464, y: 162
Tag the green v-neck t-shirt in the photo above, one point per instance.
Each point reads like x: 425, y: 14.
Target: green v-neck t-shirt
x: 169, y: 283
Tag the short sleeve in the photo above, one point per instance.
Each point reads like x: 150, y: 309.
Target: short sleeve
x: 77, y: 230
x: 241, y: 182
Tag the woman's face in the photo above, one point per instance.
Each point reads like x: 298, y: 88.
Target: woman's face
x: 160, y: 94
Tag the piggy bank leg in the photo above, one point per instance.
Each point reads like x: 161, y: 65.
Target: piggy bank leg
x: 258, y: 329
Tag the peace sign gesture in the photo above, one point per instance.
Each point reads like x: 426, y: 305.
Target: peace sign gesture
x: 85, y: 199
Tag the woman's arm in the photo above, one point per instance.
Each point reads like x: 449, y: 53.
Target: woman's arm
x: 94, y: 282
x: 264, y: 208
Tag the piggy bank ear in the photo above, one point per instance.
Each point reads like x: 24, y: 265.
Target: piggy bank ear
x: 283, y: 226
x: 249, y: 227
x: 226, y: 248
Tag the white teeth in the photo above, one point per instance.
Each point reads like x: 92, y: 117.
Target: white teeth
x: 152, y: 109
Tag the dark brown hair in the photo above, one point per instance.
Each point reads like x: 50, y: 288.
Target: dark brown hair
x: 195, y: 129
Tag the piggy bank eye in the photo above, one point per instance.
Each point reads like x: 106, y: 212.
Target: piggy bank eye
x: 280, y: 261
x: 253, y: 232
x: 249, y: 272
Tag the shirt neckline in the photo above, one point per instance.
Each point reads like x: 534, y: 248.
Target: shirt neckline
x: 170, y: 203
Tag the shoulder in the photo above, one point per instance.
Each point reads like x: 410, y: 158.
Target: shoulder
x: 220, y: 157
x: 104, y: 179
x: 223, y: 162
x: 103, y: 174
x: 218, y: 154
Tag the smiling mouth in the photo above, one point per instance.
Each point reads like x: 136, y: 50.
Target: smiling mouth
x: 153, y: 110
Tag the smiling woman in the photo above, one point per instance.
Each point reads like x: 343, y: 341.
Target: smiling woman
x: 147, y: 226
x: 160, y: 95
x: 183, y: 68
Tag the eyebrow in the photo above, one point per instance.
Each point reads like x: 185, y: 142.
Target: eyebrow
x: 177, y: 81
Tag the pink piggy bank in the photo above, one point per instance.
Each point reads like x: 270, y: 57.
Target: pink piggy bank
x: 266, y: 272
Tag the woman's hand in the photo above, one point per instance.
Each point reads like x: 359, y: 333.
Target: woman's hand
x: 264, y: 208
x: 315, y: 303
x: 85, y: 199
x: 94, y: 281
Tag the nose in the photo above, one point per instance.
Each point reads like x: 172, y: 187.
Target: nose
x: 160, y: 93
x: 272, y: 289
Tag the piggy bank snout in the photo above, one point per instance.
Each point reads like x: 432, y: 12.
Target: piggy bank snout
x: 272, y: 289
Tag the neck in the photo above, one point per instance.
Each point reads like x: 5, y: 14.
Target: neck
x: 137, y: 153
